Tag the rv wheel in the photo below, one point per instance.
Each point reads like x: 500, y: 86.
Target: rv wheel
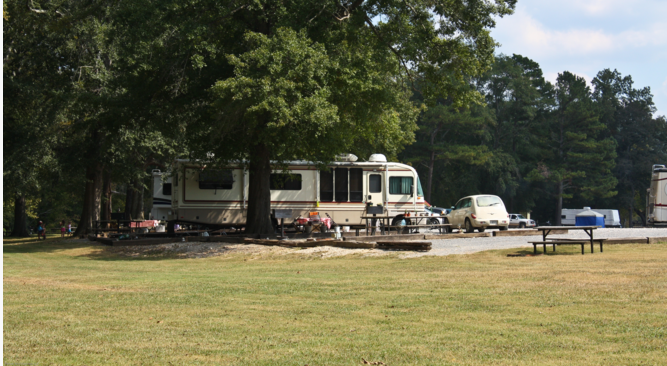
x: 396, y: 222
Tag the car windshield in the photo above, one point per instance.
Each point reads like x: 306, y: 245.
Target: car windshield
x: 520, y: 217
x: 486, y: 201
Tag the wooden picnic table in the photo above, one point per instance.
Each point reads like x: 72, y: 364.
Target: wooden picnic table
x: 546, y: 230
x: 385, y: 220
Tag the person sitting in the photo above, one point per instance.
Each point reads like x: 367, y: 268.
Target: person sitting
x: 41, y: 230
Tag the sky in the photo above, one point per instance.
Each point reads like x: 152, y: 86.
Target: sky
x: 587, y: 36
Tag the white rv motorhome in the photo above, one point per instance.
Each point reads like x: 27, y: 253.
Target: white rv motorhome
x: 161, y: 196
x: 656, y: 197
x: 220, y: 196
x: 612, y: 218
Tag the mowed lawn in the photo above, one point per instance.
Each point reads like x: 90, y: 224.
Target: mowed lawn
x: 75, y: 303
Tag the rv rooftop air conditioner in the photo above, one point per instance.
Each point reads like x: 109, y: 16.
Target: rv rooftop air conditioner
x: 659, y: 168
x: 347, y: 157
x: 378, y: 158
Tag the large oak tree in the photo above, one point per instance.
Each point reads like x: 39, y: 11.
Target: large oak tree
x: 312, y: 79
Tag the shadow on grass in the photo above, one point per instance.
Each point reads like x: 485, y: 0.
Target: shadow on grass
x: 528, y: 252
x: 51, y: 244
x: 107, y: 254
x: 167, y: 251
x: 14, y: 245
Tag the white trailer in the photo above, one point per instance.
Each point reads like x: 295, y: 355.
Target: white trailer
x: 343, y: 191
x: 656, y: 197
x: 161, y: 196
x: 611, y: 217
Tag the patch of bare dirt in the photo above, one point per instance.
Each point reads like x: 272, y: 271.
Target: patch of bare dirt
x: 205, y: 250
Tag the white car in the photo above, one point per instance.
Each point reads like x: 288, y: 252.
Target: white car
x: 479, y: 212
x: 517, y: 220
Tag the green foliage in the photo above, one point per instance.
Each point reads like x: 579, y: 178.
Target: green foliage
x: 641, y: 139
x: 280, y: 94
x: 575, y: 159
x: 446, y: 136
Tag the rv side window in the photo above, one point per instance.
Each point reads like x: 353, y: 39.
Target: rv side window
x: 326, y: 185
x: 375, y: 183
x: 341, y: 184
x: 216, y: 179
x: 285, y: 182
x: 400, y: 185
x: 356, y: 185
x: 562, y: 216
x: 166, y: 189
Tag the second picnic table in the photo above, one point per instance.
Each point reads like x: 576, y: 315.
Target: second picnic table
x: 386, y: 219
x: 546, y: 230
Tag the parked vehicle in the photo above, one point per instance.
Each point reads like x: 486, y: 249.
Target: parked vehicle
x: 656, y: 197
x: 437, y: 211
x: 161, y: 196
x: 479, y: 212
x: 611, y: 217
x: 343, y: 191
x: 517, y: 220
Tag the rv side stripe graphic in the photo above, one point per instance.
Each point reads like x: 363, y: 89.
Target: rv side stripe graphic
x: 656, y: 180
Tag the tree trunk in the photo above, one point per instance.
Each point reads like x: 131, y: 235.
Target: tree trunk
x: 259, y: 196
x: 139, y: 202
x: 134, y: 201
x: 430, y: 178
x: 20, y: 220
x: 559, y: 206
x: 98, y: 183
x: 91, y: 203
x: 129, y: 200
x: 632, y: 207
x: 106, y: 198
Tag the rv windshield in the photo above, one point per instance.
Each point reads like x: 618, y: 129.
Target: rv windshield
x: 486, y: 201
x: 420, y: 191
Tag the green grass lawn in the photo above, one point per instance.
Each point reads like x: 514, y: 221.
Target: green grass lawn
x: 68, y: 303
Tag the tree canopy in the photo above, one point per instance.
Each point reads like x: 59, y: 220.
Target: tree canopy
x: 98, y: 94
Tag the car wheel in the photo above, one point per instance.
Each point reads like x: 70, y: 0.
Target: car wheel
x: 469, y: 228
x: 433, y: 222
x: 481, y: 229
x: 522, y: 225
x: 503, y: 228
x: 445, y: 229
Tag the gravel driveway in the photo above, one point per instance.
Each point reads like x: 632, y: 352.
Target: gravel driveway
x: 472, y: 245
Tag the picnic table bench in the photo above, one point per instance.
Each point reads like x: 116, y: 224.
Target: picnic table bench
x: 546, y: 230
x: 384, y: 220
x: 440, y: 227
x: 555, y: 242
x: 356, y: 228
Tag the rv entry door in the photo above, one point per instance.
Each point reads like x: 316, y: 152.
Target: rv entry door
x: 374, y: 187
